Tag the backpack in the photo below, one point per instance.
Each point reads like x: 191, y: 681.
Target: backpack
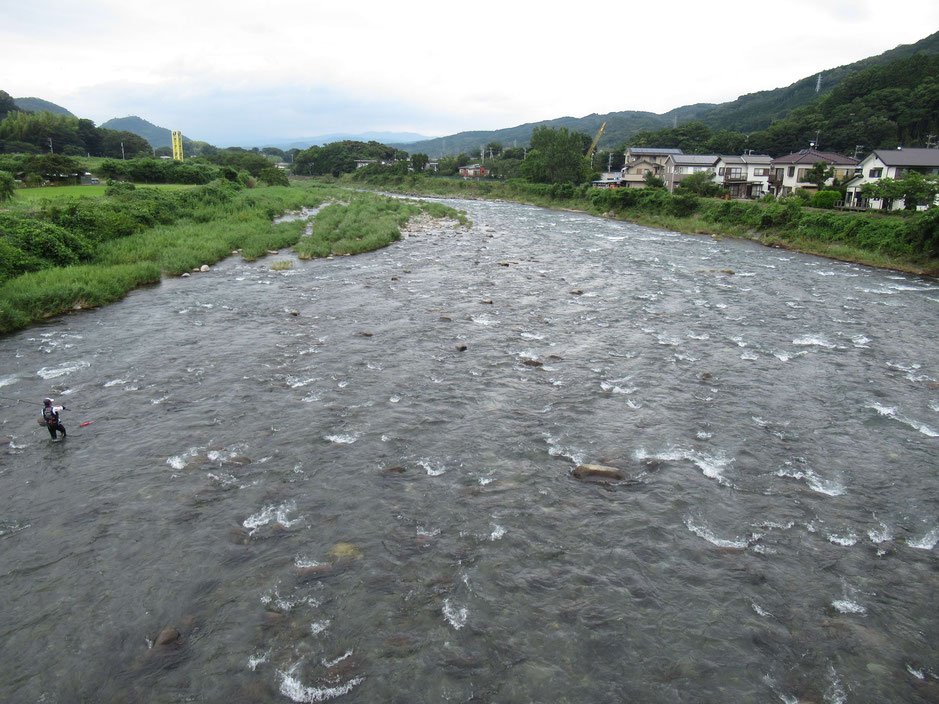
x: 50, y: 416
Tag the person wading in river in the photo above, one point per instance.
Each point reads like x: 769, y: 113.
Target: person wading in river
x: 50, y: 416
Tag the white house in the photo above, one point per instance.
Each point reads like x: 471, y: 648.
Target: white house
x: 788, y: 173
x: 745, y: 176
x: 677, y: 166
x: 889, y: 163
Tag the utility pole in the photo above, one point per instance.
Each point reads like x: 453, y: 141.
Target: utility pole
x: 50, y: 144
x: 122, y: 149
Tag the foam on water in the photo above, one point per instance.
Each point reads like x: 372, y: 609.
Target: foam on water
x: 712, y: 467
x: 497, y: 532
x: 881, y: 535
x: 342, y: 439
x: 760, y: 611
x: 269, y: 514
x: 258, y: 659
x: 927, y: 542
x: 292, y: 688
x: 318, y: 627
x: 8, y: 380
x: 55, y: 372
x: 847, y: 606
x: 430, y: 468
x: 828, y: 487
x: 893, y: 413
x: 813, y: 341
x: 456, y: 617
x: 703, y: 531
x: 843, y: 540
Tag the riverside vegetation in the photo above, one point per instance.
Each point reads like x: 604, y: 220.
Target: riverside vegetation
x: 906, y: 241
x: 63, y: 254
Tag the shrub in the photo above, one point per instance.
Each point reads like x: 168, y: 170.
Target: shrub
x: 826, y: 199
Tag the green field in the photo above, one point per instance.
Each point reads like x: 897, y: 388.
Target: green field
x: 55, y: 192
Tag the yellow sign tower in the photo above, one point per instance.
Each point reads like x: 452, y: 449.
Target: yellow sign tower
x: 177, y: 145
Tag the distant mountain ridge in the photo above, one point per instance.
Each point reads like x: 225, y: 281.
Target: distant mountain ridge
x: 156, y: 135
x: 748, y: 113
x: 40, y: 105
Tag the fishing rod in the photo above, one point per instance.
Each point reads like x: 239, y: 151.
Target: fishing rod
x: 30, y: 403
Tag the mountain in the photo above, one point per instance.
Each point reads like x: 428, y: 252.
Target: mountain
x: 307, y: 142
x: 748, y: 113
x: 40, y: 105
x: 157, y: 136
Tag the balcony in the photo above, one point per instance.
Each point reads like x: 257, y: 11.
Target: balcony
x: 735, y: 177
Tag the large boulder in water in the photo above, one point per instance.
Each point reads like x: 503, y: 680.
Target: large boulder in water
x: 597, y: 471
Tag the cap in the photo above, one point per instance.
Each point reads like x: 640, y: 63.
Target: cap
x: 47, y: 401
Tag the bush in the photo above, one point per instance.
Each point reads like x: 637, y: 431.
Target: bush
x: 826, y: 199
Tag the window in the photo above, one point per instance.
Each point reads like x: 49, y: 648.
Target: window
x: 761, y: 172
x: 792, y: 171
x: 720, y: 171
x: 875, y: 173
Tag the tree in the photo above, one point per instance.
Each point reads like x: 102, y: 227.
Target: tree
x: 820, y: 172
x: 273, y: 176
x: 914, y: 189
x: 53, y: 167
x: 6, y: 186
x: 700, y: 183
x: 419, y: 161
x: 556, y: 156
x: 7, y: 104
x: 653, y: 181
x: 494, y: 149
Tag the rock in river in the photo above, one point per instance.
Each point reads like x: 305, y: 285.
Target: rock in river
x: 586, y: 471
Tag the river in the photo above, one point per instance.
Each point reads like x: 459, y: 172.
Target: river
x: 351, y: 479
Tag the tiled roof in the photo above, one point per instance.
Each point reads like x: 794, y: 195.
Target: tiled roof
x: 695, y: 159
x: 654, y: 150
x: 908, y: 157
x: 810, y: 156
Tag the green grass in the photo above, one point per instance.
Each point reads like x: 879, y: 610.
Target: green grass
x: 367, y: 222
x: 65, y: 192
x: 202, y: 226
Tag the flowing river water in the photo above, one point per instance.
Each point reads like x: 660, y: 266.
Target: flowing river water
x: 352, y: 479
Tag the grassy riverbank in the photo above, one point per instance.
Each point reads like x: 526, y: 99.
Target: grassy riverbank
x: 902, y: 241
x: 67, y: 254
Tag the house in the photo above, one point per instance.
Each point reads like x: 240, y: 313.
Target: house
x: 788, y: 172
x: 633, y: 174
x: 889, y: 163
x: 677, y: 166
x: 362, y: 163
x: 432, y: 166
x: 473, y: 171
x: 657, y: 155
x: 745, y: 176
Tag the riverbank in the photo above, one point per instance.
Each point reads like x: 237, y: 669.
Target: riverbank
x: 907, y: 242
x: 83, y: 253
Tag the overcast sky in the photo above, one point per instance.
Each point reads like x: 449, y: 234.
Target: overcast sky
x: 238, y: 72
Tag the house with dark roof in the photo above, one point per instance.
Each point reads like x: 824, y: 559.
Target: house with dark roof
x: 889, y: 163
x: 788, y: 172
x: 745, y: 176
x: 657, y: 155
x: 644, y: 160
x: 678, y: 166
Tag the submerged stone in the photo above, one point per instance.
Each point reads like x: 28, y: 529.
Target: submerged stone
x: 167, y: 636
x: 345, y: 551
